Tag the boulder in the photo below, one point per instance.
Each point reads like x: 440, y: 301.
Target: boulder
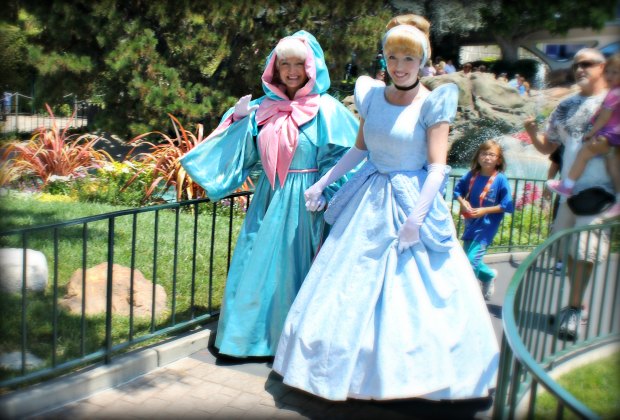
x: 12, y: 270
x: 13, y: 361
x: 96, y: 286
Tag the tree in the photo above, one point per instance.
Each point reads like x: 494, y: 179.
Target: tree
x: 191, y: 59
x: 509, y: 22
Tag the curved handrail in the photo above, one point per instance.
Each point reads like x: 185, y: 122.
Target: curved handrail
x: 514, y: 340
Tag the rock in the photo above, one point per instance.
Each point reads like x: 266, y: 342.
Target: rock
x: 13, y: 361
x: 12, y: 274
x: 96, y: 286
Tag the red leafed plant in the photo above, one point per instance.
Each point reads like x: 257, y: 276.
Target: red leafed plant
x: 531, y: 194
x: 52, y: 152
x: 165, y: 164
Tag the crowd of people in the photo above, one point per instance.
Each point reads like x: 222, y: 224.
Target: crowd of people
x: 347, y: 270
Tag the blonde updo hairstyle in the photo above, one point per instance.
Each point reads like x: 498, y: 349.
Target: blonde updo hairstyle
x: 290, y: 48
x: 402, y: 42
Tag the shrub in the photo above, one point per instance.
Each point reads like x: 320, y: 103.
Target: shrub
x: 51, y: 152
x: 164, y: 163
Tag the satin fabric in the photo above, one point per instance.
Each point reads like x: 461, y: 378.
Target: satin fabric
x: 279, y: 238
x: 278, y: 138
x: 370, y: 322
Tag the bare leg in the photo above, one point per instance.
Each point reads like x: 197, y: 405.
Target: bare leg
x: 579, y: 281
x: 597, y: 146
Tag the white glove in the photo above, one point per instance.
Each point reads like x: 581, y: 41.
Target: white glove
x: 243, y: 108
x: 409, y: 232
x: 314, y: 195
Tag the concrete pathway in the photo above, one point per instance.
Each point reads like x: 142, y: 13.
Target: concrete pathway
x: 202, y: 386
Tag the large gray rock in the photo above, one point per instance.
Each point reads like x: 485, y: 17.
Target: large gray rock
x: 12, y: 270
x: 13, y: 361
x: 96, y: 286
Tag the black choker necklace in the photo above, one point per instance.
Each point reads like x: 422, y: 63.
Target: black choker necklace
x: 413, y: 86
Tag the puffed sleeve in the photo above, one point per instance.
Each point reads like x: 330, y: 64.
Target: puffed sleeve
x: 440, y: 106
x: 362, y: 93
x: 222, y: 162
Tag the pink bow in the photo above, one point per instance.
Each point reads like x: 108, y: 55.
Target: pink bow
x: 277, y: 140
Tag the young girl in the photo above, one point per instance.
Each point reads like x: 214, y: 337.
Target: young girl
x: 484, y: 195
x: 604, y: 134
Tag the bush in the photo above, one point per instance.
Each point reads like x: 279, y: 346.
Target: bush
x: 51, y: 153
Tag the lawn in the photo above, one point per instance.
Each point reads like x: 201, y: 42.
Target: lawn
x: 597, y: 385
x: 54, y: 334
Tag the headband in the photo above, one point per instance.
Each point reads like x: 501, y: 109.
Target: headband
x: 418, y: 36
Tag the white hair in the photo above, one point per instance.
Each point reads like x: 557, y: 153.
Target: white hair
x: 289, y: 48
x: 590, y: 51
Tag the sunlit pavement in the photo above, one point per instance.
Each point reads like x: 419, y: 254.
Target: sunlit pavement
x: 202, y: 386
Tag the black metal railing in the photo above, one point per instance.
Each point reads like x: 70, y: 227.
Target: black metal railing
x: 527, y: 227
x: 532, y: 344
x: 183, y: 247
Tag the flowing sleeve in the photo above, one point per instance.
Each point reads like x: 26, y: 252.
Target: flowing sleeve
x: 440, y: 106
x: 222, y: 162
x: 336, y: 133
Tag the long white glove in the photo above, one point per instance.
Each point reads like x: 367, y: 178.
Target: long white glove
x: 243, y: 108
x: 314, y: 195
x: 409, y: 233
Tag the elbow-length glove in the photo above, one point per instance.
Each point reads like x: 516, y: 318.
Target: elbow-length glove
x: 409, y: 232
x: 314, y: 195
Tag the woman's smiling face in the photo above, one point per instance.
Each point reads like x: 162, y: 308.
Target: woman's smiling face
x: 403, y: 68
x: 292, y: 72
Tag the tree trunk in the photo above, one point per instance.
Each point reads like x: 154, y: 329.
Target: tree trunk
x: 509, y: 47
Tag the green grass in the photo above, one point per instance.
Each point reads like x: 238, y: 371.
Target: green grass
x: 597, y: 385
x: 154, y: 257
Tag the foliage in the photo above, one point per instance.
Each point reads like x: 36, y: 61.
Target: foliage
x: 203, y: 292
x: 107, y: 185
x: 52, y: 152
x: 510, y: 22
x: 165, y: 165
x: 531, y: 194
x: 14, y: 58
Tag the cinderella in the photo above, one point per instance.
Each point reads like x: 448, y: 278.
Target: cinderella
x: 391, y: 307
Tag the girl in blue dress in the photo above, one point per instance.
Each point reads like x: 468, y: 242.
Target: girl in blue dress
x: 391, y: 307
x: 298, y: 132
x: 484, y: 195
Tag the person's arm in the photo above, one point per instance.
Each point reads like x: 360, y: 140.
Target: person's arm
x: 477, y: 212
x: 539, y: 140
x: 409, y: 233
x: 314, y: 195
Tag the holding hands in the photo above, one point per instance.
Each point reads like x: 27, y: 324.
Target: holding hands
x: 314, y: 198
x: 243, y: 108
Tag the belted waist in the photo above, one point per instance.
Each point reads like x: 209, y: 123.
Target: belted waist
x: 302, y: 171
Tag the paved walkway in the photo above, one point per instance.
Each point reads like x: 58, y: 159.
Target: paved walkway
x: 201, y: 386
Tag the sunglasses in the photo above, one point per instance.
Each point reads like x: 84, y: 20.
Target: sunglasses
x: 586, y: 64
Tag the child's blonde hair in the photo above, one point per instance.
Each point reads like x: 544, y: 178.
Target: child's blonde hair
x: 488, y: 145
